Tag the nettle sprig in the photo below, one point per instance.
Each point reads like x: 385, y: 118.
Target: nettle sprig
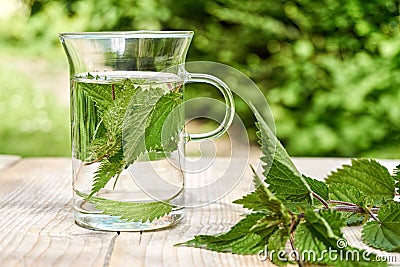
x: 288, y: 208
x: 134, y: 120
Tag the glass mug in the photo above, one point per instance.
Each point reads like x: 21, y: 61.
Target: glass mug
x: 127, y: 128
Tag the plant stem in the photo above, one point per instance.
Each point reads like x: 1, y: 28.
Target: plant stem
x: 299, y: 261
x: 348, y: 206
x: 355, y: 209
x: 343, y: 203
x: 323, y: 201
x: 372, y: 215
x: 96, y: 160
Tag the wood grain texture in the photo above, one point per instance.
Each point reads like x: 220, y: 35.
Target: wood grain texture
x: 37, y: 227
x: 36, y: 222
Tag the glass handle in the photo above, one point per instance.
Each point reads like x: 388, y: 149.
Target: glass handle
x: 230, y: 106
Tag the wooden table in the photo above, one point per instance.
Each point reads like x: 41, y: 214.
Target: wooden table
x: 37, y: 226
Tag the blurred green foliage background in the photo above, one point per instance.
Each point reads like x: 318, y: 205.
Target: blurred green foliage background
x: 329, y: 69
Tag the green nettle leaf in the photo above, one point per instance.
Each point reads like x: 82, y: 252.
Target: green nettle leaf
x: 112, y: 100
x: 370, y: 177
x: 277, y: 242
x: 239, y: 240
x: 353, y: 218
x: 286, y: 185
x: 316, y: 235
x: 284, y: 180
x: 321, y: 233
x: 105, y: 94
x: 165, y: 123
x: 326, y: 224
x: 271, y: 147
x: 104, y: 147
x: 100, y: 94
x: 318, y: 187
x: 347, y: 193
x: 131, y: 211
x: 113, y: 117
x: 263, y: 200
x: 135, y: 122
x: 106, y: 171
x: 385, y: 233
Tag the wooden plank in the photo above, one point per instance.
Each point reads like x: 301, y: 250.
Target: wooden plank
x: 37, y: 227
x: 8, y: 160
x: 36, y: 222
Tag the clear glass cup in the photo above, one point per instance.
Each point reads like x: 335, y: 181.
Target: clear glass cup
x: 127, y: 127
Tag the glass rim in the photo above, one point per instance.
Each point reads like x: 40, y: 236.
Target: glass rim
x: 126, y: 34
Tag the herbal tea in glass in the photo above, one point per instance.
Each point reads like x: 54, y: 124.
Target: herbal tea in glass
x: 127, y: 127
x: 117, y: 123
